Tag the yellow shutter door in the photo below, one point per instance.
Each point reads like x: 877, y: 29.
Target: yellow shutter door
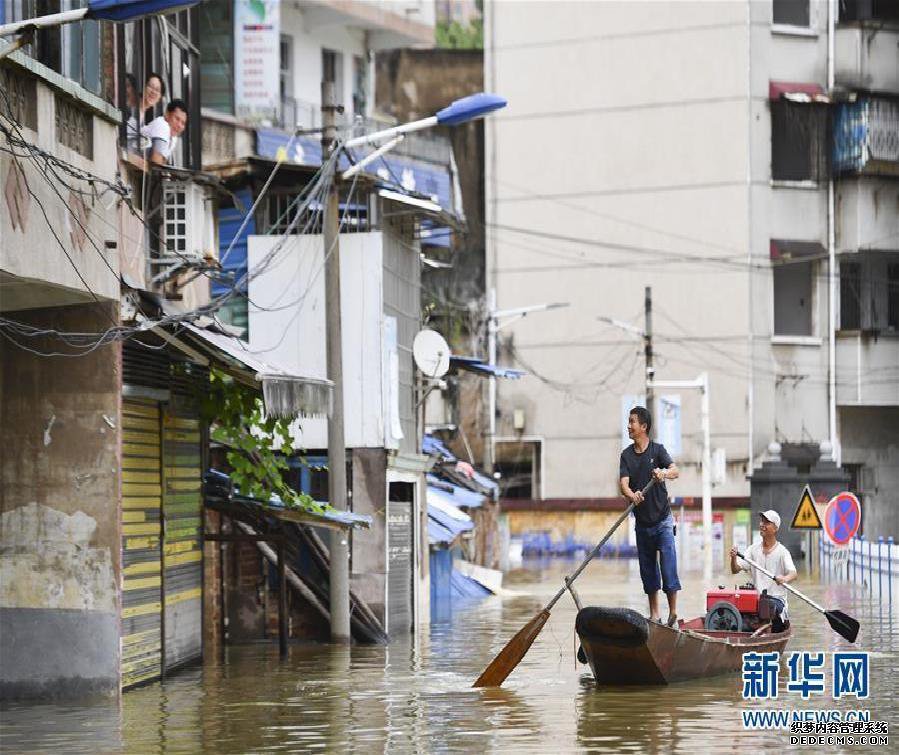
x: 182, y: 549
x: 141, y: 562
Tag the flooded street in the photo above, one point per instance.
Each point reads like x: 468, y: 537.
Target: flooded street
x: 404, y: 698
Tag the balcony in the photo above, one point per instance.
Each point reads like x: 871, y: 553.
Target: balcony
x: 865, y: 58
x: 866, y: 369
x: 387, y: 23
x: 866, y: 217
x: 866, y: 137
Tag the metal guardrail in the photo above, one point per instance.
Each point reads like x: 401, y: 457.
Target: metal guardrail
x: 871, y: 563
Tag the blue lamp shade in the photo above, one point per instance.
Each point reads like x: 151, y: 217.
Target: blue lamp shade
x: 469, y: 108
x: 128, y: 10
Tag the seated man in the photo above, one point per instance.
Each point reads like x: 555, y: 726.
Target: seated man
x: 773, y: 557
x: 163, y: 132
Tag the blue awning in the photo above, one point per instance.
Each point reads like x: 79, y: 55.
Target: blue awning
x: 129, y: 10
x: 478, y: 366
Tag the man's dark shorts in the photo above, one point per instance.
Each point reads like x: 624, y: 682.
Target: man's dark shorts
x: 658, y: 558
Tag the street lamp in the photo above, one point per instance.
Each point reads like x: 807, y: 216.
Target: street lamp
x: 118, y: 11
x: 460, y: 111
x: 496, y: 319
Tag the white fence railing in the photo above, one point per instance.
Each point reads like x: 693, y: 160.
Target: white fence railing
x: 872, y: 563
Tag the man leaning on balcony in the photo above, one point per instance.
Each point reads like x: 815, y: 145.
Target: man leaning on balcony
x: 163, y: 132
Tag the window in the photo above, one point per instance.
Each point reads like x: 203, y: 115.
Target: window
x: 72, y: 50
x: 289, y: 114
x: 850, y: 295
x: 146, y: 47
x: 792, y: 12
x: 332, y: 69
x: 360, y: 85
x: 793, y: 287
x: 869, y: 10
x: 518, y: 463
x: 893, y: 296
x: 217, y: 56
x: 799, y: 150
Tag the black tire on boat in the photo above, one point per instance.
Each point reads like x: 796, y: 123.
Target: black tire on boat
x: 614, y: 626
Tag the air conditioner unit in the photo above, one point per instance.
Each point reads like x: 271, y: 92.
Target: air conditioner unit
x: 184, y: 221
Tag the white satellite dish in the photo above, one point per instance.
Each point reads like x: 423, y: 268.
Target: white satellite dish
x: 431, y: 353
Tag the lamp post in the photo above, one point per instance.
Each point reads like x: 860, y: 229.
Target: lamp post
x: 494, y: 318
x: 460, y: 111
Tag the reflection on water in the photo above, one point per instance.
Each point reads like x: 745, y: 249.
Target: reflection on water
x: 417, y: 697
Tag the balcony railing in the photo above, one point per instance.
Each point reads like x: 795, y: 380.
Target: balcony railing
x: 866, y: 137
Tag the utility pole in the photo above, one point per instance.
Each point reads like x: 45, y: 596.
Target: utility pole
x: 490, y: 450
x: 339, y: 551
x: 647, y: 353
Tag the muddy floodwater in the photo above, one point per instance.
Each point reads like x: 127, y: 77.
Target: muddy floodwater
x: 417, y: 696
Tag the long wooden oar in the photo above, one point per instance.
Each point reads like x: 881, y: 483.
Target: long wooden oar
x: 510, y: 656
x: 841, y: 623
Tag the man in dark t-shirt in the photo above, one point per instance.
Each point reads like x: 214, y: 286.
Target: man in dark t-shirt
x: 640, y: 462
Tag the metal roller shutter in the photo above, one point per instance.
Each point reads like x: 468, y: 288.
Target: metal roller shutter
x: 141, y: 566
x: 399, y: 568
x: 182, y: 549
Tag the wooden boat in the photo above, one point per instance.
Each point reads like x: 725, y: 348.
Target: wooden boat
x: 624, y: 647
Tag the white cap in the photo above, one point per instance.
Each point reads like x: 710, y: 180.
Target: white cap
x: 772, y: 516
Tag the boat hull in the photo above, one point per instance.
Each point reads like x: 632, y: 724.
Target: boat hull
x: 623, y: 647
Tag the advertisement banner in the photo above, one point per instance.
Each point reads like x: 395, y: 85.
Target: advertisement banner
x: 668, y: 431
x: 257, y: 59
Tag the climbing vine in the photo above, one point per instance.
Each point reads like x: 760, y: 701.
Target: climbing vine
x: 237, y: 421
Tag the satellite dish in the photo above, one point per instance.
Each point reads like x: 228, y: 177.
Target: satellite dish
x: 431, y: 353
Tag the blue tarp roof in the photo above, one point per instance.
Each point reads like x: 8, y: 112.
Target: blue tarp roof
x: 434, y: 447
x: 460, y: 496
x: 443, y: 527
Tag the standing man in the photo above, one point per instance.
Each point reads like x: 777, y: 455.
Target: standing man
x: 641, y: 461
x: 775, y: 558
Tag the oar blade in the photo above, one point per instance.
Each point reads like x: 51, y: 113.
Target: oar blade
x: 843, y: 624
x: 510, y: 656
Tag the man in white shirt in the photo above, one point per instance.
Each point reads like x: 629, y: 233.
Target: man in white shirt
x: 163, y: 132
x: 773, y: 557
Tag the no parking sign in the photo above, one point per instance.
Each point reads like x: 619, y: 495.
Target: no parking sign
x: 842, y: 518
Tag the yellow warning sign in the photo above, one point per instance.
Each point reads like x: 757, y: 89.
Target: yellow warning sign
x: 806, y: 516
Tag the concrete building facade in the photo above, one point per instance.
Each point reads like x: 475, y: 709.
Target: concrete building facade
x: 689, y: 147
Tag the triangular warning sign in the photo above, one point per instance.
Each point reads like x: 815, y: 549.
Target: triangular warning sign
x: 806, y: 516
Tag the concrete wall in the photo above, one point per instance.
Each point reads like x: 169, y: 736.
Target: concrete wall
x: 869, y: 438
x: 634, y: 144
x: 44, y: 276
x: 369, y: 547
x: 295, y: 336
x: 60, y: 541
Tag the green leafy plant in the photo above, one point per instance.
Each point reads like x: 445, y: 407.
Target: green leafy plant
x: 454, y: 36
x: 237, y: 421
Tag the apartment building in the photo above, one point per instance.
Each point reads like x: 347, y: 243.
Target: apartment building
x: 731, y: 156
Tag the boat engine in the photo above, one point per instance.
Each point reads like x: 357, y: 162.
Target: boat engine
x: 741, y: 609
